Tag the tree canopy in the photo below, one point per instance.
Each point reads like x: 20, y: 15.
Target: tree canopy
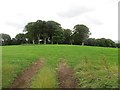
x: 51, y: 32
x: 81, y: 32
x: 5, y: 38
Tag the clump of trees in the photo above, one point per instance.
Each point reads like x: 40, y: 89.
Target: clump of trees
x: 51, y: 32
x: 5, y: 39
x: 100, y: 42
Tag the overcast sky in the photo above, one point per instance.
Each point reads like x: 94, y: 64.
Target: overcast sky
x: 100, y: 16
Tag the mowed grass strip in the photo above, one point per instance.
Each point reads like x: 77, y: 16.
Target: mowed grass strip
x: 17, y: 58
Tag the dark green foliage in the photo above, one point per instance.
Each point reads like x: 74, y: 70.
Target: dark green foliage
x: 42, y: 31
x: 118, y: 45
x: 14, y: 42
x: 49, y: 32
x: 5, y: 39
x: 58, y: 36
x: 105, y: 42
x: 31, y: 31
x: 90, y: 42
x: 20, y: 38
x: 52, y: 26
x: 67, y: 36
x: 81, y: 32
x: 100, y: 42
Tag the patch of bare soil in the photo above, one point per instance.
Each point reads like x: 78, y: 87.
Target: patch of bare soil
x: 23, y: 80
x: 66, y: 76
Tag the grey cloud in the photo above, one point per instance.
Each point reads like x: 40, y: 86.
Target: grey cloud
x: 17, y: 21
x: 73, y: 12
x: 94, y: 21
x: 15, y: 24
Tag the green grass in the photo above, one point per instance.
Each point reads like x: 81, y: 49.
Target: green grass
x: 45, y: 79
x: 18, y: 58
x: 101, y: 75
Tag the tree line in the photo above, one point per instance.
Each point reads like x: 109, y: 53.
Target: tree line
x: 51, y: 32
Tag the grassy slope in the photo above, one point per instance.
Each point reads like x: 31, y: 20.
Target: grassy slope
x: 17, y: 58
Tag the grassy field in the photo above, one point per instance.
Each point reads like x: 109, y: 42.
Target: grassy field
x: 94, y: 66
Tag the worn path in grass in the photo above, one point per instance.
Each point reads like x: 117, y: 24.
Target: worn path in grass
x: 66, y: 76
x: 23, y: 80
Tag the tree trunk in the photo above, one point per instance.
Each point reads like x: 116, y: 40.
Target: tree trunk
x: 71, y: 42
x: 52, y: 40
x: 44, y: 40
x: 33, y: 41
x: 82, y: 43
x: 38, y: 39
x: 47, y: 40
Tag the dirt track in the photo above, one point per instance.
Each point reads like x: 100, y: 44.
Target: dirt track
x: 66, y: 76
x: 23, y: 80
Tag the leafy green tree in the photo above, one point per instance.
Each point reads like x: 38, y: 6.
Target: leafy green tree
x: 118, y: 45
x: 6, y: 39
x: 90, y: 42
x: 50, y: 31
x: 105, y: 42
x: 44, y: 32
x: 58, y: 36
x: 39, y: 29
x: 21, y: 38
x: 80, y: 33
x: 52, y: 26
x: 67, y: 36
x: 14, y: 41
x: 109, y: 43
x: 31, y: 31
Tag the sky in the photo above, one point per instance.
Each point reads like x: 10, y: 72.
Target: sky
x: 100, y: 16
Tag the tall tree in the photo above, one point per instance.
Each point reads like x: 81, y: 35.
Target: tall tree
x: 90, y: 42
x: 21, y: 38
x: 44, y: 31
x: 6, y: 39
x: 52, y: 26
x: 58, y: 36
x: 118, y: 45
x: 30, y: 30
x: 67, y: 36
x: 105, y: 42
x: 14, y: 41
x: 80, y: 33
x: 39, y: 29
